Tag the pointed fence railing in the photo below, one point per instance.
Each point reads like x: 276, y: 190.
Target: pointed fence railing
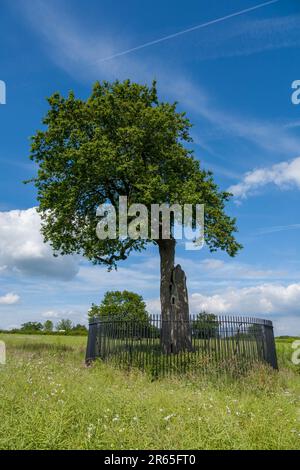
x: 216, y: 343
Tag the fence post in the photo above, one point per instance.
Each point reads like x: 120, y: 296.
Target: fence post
x: 91, y: 353
x: 270, y: 354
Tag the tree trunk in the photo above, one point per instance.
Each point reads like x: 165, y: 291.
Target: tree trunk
x: 175, y: 333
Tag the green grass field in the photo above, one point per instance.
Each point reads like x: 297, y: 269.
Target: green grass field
x: 50, y: 400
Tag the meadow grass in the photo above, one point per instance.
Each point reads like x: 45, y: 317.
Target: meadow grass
x: 51, y: 400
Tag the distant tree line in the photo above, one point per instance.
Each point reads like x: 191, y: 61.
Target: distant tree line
x: 63, y: 327
x: 127, y: 313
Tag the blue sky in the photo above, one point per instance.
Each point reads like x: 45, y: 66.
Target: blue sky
x: 233, y: 78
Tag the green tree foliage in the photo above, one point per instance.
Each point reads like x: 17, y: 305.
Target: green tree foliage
x: 126, y: 314
x: 121, y: 141
x: 206, y: 326
x: 117, y: 305
x: 32, y: 327
x: 64, y: 325
x: 79, y: 330
x: 48, y: 326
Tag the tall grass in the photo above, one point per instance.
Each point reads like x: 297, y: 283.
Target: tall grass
x: 51, y: 400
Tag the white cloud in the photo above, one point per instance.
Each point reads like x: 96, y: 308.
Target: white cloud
x: 267, y: 136
x: 274, y: 301
x: 284, y: 175
x: 189, y: 30
x: 277, y: 228
x: 138, y: 278
x: 69, y: 44
x: 217, y: 270
x: 236, y: 270
x: 234, y: 38
x: 287, y: 325
x: 9, y: 299
x: 73, y: 314
x: 265, y: 299
x: 50, y: 314
x: 249, y: 36
x: 78, y: 52
x: 22, y: 248
x: 153, y: 306
x: 212, y: 264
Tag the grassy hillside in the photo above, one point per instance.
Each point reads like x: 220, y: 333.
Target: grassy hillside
x: 50, y: 400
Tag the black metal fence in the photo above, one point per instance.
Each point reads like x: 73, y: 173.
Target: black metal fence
x: 213, y: 344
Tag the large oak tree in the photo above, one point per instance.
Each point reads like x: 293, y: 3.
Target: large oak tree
x: 122, y: 141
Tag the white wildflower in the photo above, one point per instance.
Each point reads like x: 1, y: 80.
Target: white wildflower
x: 167, y: 418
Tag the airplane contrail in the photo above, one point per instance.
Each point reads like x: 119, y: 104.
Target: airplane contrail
x: 179, y: 33
x: 279, y: 228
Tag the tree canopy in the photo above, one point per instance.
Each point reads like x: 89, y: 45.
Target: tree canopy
x: 117, y: 305
x: 48, y: 326
x: 206, y: 326
x: 32, y: 326
x: 120, y: 141
x: 64, y: 325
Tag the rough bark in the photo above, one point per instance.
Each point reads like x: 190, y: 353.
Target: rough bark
x: 181, y: 331
x: 174, y: 302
